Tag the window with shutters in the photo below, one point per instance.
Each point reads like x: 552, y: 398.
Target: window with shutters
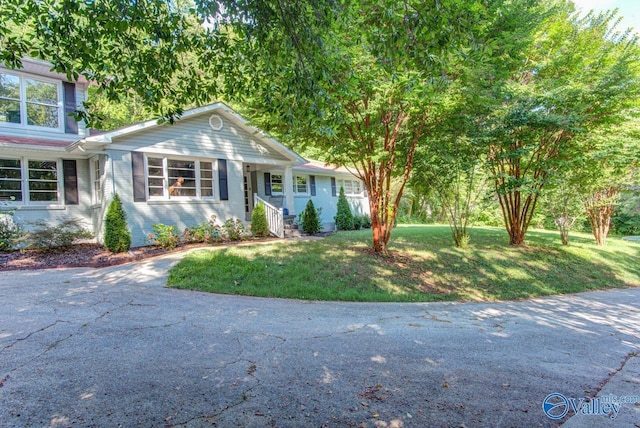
x: 300, y: 184
x: 351, y: 187
x: 31, y: 102
x: 174, y: 178
x: 277, y: 187
x: 30, y: 181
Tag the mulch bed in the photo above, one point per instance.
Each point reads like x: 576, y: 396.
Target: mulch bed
x: 87, y: 255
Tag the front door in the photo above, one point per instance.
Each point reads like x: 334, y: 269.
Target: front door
x: 248, y: 196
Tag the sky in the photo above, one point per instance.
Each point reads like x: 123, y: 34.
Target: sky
x: 629, y: 9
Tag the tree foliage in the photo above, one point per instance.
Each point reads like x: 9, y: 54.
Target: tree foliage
x: 579, y: 77
x: 158, y: 51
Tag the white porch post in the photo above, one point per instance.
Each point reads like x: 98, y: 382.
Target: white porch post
x: 288, y: 190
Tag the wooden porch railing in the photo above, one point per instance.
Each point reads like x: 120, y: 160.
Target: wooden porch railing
x: 275, y: 217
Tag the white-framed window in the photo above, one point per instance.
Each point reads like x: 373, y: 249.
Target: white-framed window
x: 33, y: 102
x: 277, y: 186
x: 97, y: 170
x: 179, y: 178
x: 300, y: 184
x: 351, y: 187
x: 30, y: 181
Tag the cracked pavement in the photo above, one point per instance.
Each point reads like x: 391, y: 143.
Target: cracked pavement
x: 113, y: 347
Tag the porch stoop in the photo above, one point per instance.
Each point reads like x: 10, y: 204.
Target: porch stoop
x: 290, y: 228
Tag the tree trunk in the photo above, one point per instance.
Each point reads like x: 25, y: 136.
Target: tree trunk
x: 377, y: 227
x: 516, y: 215
x: 599, y: 206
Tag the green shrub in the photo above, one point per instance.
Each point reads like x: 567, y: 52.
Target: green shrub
x: 10, y: 231
x: 259, y: 225
x: 357, y: 222
x: 117, y: 237
x: 365, y: 221
x: 166, y: 236
x: 344, y: 217
x: 234, y: 230
x: 46, y: 237
x: 310, y: 219
x: 207, y: 232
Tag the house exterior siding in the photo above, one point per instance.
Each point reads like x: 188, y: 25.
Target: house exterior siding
x: 328, y: 203
x: 323, y: 198
x: 195, y: 137
x: 58, y: 212
x: 179, y: 174
x: 141, y: 216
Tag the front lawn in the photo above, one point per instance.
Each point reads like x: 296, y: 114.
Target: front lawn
x: 423, y: 266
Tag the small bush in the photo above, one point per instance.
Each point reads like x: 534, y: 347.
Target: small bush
x: 10, y: 231
x: 344, y: 217
x: 259, y: 225
x: 310, y: 219
x: 46, y: 237
x: 357, y: 222
x: 165, y: 236
x: 234, y: 230
x: 207, y: 231
x: 365, y: 221
x: 117, y: 237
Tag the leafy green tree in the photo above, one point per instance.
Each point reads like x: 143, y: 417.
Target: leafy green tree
x: 344, y: 216
x: 452, y: 170
x: 259, y: 225
x: 606, y: 163
x: 117, y: 237
x: 377, y: 83
x: 579, y: 76
x: 310, y: 219
x: 564, y: 203
x: 158, y: 51
x: 626, y: 218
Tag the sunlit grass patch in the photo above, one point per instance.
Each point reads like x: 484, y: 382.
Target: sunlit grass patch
x: 422, y: 265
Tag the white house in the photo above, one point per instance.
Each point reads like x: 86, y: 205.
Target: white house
x: 211, y: 161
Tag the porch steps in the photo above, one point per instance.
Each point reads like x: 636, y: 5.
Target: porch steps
x: 291, y: 229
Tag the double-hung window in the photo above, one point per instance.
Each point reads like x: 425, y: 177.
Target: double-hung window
x: 96, y: 178
x: 31, y: 102
x: 169, y: 178
x: 277, y: 186
x: 30, y: 181
x: 300, y: 184
x: 351, y: 187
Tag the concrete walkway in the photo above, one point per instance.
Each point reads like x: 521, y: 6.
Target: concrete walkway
x: 113, y: 347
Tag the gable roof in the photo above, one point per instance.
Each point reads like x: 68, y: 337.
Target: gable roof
x: 104, y: 139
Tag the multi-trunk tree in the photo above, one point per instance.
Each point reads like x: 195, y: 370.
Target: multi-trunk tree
x: 579, y: 77
x: 381, y: 82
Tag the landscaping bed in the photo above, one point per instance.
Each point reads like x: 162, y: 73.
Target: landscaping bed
x: 89, y: 255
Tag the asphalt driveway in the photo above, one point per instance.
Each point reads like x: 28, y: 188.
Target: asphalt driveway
x: 113, y: 347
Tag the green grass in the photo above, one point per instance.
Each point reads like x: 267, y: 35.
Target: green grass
x: 424, y: 266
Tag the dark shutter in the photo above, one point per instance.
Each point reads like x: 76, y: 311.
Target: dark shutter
x: 70, y: 174
x: 333, y: 187
x: 312, y: 184
x: 139, y: 185
x: 222, y: 180
x: 267, y: 184
x: 70, y: 124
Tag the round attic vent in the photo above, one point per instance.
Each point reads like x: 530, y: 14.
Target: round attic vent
x: 215, y: 122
